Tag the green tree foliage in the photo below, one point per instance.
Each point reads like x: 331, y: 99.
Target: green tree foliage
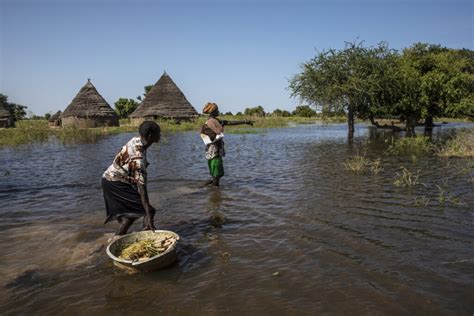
x: 422, y: 82
x: 343, y: 80
x: 47, y: 116
x: 281, y: 113
x: 16, y: 110
x: 124, y: 107
x: 440, y: 82
x: 146, y: 89
x: 328, y: 112
x: 304, y: 111
x: 255, y: 111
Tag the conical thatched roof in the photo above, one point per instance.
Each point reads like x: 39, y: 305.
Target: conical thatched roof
x: 88, y: 103
x: 165, y: 100
x: 4, y: 112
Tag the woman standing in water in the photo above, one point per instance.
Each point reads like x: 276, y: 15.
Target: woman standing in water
x: 212, y: 133
x: 124, y: 182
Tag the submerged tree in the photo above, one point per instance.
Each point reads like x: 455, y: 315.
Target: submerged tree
x: 443, y: 79
x: 343, y: 80
x: 424, y: 82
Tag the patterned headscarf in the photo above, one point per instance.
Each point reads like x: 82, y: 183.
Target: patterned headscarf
x: 209, y: 108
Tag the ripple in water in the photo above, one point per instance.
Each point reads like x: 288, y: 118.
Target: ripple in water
x: 288, y: 230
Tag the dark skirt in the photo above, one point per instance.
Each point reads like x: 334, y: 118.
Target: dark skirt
x: 121, y: 200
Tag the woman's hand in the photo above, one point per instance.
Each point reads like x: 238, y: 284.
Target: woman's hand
x: 149, y: 220
x: 150, y: 226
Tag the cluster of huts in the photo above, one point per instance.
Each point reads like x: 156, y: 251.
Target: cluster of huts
x: 90, y: 109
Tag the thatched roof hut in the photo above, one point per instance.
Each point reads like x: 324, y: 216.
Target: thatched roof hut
x: 6, y: 119
x: 165, y: 100
x: 55, y: 119
x: 89, y: 109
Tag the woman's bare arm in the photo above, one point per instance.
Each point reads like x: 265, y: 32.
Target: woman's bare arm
x: 150, y: 211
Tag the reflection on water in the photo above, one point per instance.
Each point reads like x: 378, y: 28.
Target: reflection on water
x: 288, y: 230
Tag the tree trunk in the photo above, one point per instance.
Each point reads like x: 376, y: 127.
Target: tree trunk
x: 411, y: 123
x: 350, y: 122
x: 429, y: 122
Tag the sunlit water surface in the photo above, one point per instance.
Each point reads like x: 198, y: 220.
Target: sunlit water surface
x: 289, y: 230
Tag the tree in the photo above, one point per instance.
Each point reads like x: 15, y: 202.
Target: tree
x: 281, y: 113
x: 435, y: 81
x: 255, y: 111
x: 17, y: 111
x: 360, y: 81
x: 47, y: 116
x: 328, y: 112
x: 147, y: 89
x: 460, y: 86
x: 304, y: 111
x: 423, y: 82
x: 337, y: 80
x: 228, y: 113
x: 124, y: 107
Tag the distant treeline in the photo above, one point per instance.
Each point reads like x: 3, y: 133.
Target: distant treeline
x: 259, y: 111
x: 414, y: 85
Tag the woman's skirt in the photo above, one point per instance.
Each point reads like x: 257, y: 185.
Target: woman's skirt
x: 121, y: 200
x: 216, y: 167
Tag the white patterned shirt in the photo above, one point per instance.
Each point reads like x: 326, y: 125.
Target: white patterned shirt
x: 129, y: 164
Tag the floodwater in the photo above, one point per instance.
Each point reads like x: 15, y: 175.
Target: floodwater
x: 289, y: 230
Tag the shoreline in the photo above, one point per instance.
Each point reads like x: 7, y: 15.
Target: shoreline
x: 38, y: 131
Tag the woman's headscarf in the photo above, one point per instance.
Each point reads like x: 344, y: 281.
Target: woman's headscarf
x: 209, y: 108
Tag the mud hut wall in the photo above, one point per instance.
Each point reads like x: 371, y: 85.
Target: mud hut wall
x: 89, y: 122
x: 7, y: 122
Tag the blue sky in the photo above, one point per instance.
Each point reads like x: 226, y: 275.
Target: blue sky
x: 235, y: 53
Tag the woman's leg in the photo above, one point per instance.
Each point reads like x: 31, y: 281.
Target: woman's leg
x: 209, y: 165
x: 215, y: 181
x: 216, y: 168
x: 125, y: 224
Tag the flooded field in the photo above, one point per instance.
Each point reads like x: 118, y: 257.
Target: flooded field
x: 289, y: 230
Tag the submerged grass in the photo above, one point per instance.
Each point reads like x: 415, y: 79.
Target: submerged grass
x: 38, y: 131
x: 406, y: 178
x: 360, y: 164
x: 357, y: 164
x: 460, y: 145
x: 418, y: 145
x: 422, y: 201
x: 445, y: 196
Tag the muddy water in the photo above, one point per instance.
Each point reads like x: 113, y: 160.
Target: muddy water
x: 288, y: 231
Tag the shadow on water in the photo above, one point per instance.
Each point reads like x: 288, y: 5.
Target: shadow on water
x: 290, y: 229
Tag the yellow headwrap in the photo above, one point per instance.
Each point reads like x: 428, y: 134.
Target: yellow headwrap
x: 209, y: 108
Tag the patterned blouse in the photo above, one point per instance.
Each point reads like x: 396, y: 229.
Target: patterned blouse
x: 212, y: 135
x: 129, y: 164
